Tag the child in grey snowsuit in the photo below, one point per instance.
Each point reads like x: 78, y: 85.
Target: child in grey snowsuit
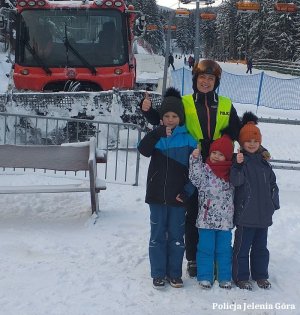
x: 256, y: 198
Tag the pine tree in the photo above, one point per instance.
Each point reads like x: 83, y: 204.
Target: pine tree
x: 150, y: 9
x: 185, y: 34
x: 267, y: 34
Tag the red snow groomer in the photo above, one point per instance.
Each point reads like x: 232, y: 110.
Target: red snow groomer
x: 74, y: 45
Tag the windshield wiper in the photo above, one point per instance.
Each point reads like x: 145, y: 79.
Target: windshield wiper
x: 77, y: 54
x: 37, y: 58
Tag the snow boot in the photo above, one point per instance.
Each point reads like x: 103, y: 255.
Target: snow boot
x: 175, y: 282
x: 244, y: 284
x: 263, y: 284
x: 158, y: 283
x: 192, y: 268
x: 204, y: 284
x: 225, y: 285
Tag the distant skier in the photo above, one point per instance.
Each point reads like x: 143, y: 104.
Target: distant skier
x: 249, y: 65
x: 171, y: 61
x: 191, y: 61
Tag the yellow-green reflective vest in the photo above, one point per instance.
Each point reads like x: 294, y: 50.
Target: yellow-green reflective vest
x: 192, y: 121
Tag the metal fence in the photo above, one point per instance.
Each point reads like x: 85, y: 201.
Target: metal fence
x: 118, y: 140
x: 259, y: 89
x: 286, y: 164
x: 281, y: 66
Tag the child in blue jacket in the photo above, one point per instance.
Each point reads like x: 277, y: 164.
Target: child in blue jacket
x: 169, y: 146
x: 255, y: 200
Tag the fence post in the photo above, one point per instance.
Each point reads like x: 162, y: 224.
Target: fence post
x: 259, y: 89
x: 182, y: 85
x: 138, y: 158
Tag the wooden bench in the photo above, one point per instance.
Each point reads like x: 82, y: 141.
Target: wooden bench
x: 81, y: 156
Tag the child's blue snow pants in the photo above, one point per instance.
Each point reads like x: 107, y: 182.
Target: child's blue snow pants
x: 166, y: 245
x: 214, y: 247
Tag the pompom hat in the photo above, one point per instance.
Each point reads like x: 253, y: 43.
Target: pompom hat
x: 249, y: 130
x: 224, y: 145
x: 172, y: 102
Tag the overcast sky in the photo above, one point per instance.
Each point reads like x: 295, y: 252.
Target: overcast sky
x: 173, y: 4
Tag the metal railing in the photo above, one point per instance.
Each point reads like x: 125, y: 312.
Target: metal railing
x: 279, y: 163
x: 118, y: 140
x: 281, y: 66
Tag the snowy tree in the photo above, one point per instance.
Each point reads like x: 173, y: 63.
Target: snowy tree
x: 296, y: 34
x: 185, y: 34
x: 276, y: 42
x: 150, y: 9
x: 233, y: 35
x: 208, y: 37
x: 267, y: 34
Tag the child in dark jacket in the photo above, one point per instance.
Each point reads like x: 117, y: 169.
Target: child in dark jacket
x: 169, y: 146
x: 256, y: 198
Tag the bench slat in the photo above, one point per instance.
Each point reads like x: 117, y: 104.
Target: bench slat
x: 44, y: 157
x: 46, y: 189
x: 42, y: 189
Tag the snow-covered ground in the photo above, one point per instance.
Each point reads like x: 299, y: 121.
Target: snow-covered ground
x: 55, y: 261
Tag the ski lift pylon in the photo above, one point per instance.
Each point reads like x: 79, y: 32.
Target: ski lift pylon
x: 248, y: 6
x: 285, y: 7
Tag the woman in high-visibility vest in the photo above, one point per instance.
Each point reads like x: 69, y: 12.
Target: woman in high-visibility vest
x: 208, y: 116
